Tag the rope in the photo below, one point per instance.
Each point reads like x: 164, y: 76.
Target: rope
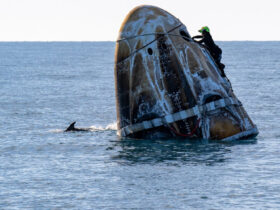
x: 132, y: 37
x: 146, y: 44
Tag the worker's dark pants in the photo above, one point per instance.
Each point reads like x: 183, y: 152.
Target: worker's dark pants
x: 216, y: 53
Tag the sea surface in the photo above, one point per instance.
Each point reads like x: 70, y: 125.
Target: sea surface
x: 44, y: 86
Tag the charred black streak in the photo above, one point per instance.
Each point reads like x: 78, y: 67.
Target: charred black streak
x: 174, y: 83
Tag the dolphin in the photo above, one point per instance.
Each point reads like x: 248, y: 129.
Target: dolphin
x: 71, y: 127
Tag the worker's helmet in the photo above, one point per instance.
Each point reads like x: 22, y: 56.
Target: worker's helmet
x: 204, y: 28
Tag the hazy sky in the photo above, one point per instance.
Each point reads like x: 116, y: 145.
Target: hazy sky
x: 91, y: 20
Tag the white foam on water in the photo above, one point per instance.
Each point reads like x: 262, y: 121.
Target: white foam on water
x: 56, y: 131
x: 110, y: 126
x: 93, y: 128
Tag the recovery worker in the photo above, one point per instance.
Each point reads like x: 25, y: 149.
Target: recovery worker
x: 207, y: 41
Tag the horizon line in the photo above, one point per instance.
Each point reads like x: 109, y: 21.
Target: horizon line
x: 116, y: 40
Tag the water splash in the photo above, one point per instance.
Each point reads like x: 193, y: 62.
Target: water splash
x: 111, y: 126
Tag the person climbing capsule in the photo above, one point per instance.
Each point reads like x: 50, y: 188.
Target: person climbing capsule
x: 207, y: 41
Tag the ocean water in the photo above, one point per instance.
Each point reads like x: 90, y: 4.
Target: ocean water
x: 44, y: 86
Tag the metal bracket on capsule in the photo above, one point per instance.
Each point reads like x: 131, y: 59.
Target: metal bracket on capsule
x: 177, y: 116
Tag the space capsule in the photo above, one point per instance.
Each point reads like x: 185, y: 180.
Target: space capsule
x: 169, y: 86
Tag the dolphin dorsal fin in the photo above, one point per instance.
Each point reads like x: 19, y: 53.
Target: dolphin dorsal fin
x: 71, y: 126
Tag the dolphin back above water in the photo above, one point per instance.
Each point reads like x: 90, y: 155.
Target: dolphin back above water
x: 71, y: 127
x: 169, y: 86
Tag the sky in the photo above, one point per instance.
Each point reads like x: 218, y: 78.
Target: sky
x: 92, y: 20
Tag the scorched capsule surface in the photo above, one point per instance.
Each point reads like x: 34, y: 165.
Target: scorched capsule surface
x: 169, y: 86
